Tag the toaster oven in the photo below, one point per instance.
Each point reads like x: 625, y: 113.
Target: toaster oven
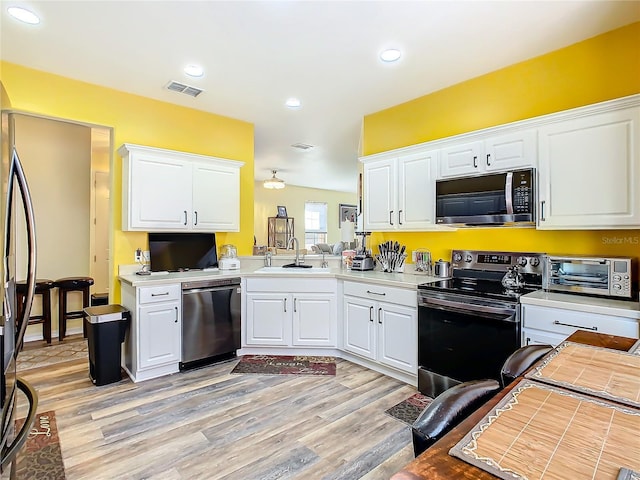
x: 602, y: 276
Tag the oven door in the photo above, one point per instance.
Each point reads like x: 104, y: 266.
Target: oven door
x: 463, y: 338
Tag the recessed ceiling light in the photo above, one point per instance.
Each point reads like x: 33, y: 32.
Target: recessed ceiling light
x: 293, y: 103
x: 24, y: 15
x: 390, y: 55
x: 194, y: 70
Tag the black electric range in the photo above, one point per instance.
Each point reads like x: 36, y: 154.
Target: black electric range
x: 480, y: 274
x: 470, y: 323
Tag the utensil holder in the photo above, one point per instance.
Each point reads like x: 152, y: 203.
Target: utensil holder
x: 391, y: 261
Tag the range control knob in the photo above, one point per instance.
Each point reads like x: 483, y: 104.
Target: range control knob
x: 616, y: 286
x: 535, y: 261
x: 457, y: 257
x: 522, y: 261
x: 468, y: 258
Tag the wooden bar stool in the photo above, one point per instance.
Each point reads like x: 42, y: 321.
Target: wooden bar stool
x: 43, y: 288
x: 66, y: 285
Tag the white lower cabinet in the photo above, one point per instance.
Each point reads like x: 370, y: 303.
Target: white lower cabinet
x: 291, y: 312
x: 553, y: 325
x: 381, y: 324
x: 152, y: 345
x: 159, y: 334
x: 268, y: 321
x: 310, y: 314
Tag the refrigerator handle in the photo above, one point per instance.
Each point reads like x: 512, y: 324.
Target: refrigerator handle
x: 10, y: 451
x: 17, y: 171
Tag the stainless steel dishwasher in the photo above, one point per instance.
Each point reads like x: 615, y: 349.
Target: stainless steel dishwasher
x: 210, y: 321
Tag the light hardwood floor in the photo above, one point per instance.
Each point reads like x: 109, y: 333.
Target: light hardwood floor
x: 210, y: 424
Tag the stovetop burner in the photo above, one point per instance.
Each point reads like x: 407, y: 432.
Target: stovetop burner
x: 478, y: 288
x: 479, y: 274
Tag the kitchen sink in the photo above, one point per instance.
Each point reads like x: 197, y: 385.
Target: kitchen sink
x: 294, y: 270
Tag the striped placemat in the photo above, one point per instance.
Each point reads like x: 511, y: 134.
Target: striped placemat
x: 598, y: 371
x: 540, y: 431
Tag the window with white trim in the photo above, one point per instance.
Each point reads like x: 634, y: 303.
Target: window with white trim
x: 315, y: 223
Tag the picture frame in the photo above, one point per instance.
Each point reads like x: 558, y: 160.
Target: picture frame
x: 347, y: 213
x: 282, y: 211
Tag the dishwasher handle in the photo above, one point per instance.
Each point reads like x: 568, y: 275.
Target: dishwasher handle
x: 210, y: 289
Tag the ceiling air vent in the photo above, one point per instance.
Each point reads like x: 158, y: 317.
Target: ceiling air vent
x: 302, y: 146
x: 182, y: 88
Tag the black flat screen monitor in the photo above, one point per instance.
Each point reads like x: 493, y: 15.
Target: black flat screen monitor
x: 178, y: 252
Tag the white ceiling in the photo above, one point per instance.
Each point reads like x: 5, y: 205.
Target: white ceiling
x: 258, y: 54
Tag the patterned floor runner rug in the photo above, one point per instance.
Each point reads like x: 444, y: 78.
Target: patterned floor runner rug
x: 50, y: 354
x: 285, y: 365
x: 41, y: 456
x: 408, y: 410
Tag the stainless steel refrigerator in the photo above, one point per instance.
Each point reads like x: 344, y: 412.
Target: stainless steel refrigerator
x: 14, y: 196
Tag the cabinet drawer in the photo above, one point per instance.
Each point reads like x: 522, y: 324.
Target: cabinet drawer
x: 159, y: 293
x: 539, y: 337
x: 400, y: 296
x: 289, y: 285
x: 567, y: 321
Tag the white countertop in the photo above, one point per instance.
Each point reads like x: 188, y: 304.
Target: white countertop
x: 605, y: 306
x: 401, y: 280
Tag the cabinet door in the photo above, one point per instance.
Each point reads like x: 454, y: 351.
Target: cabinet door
x: 398, y: 337
x: 314, y: 319
x: 589, y: 172
x: 416, y: 190
x: 159, y: 193
x: 359, y: 327
x: 380, y: 195
x: 268, y: 319
x: 515, y: 150
x: 159, y: 336
x: 216, y: 198
x: 463, y: 159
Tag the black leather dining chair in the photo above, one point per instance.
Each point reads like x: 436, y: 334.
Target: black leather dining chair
x: 520, y: 360
x: 449, y: 409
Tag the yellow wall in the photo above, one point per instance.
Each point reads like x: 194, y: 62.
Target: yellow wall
x: 597, y: 69
x: 141, y: 121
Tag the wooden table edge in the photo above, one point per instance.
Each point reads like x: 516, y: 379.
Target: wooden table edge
x: 436, y: 463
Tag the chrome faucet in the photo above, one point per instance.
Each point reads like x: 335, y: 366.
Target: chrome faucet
x: 324, y: 262
x: 295, y: 240
x: 267, y: 259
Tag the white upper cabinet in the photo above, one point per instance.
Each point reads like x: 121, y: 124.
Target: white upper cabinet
x: 380, y: 194
x: 216, y: 197
x: 165, y: 190
x: 496, y: 153
x: 589, y: 175
x: 399, y: 192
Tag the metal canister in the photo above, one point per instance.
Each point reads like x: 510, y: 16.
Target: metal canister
x: 442, y: 268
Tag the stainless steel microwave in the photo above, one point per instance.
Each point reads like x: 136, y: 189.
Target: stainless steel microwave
x: 602, y: 276
x: 506, y: 198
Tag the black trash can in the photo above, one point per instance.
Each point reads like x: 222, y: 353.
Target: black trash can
x: 106, y: 328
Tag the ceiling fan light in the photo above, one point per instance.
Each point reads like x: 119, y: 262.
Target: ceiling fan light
x: 273, y: 183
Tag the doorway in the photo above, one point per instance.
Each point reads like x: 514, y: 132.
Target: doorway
x: 67, y: 165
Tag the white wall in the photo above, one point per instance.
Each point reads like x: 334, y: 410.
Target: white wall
x: 57, y: 158
x: 294, y: 198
